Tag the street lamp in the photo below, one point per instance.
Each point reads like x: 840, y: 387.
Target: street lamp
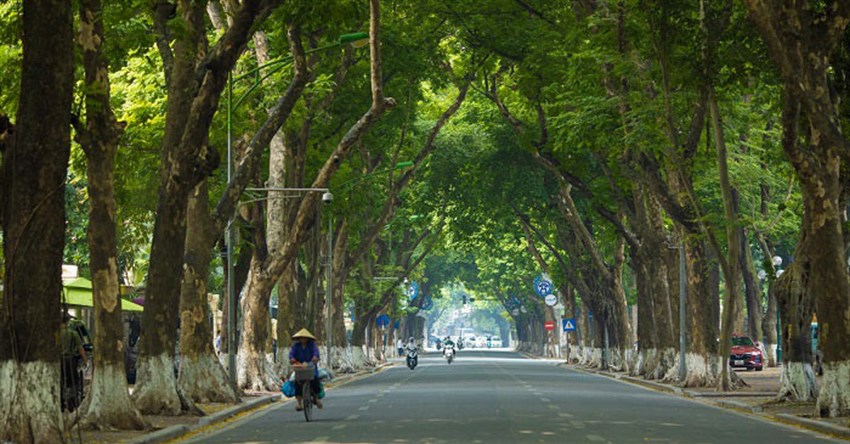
x: 355, y: 39
x: 777, y: 262
x: 327, y: 198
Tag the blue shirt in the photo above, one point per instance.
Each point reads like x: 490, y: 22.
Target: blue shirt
x: 303, y: 353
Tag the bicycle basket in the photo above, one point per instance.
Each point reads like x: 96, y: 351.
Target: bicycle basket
x: 308, y: 373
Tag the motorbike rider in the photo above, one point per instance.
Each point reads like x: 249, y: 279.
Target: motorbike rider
x: 303, y: 352
x: 448, y: 343
x: 411, y: 349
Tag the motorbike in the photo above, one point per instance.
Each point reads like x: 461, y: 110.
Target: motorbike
x: 412, y: 358
x: 449, y: 353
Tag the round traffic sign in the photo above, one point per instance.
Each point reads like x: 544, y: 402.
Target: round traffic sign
x: 551, y: 300
x: 549, y: 325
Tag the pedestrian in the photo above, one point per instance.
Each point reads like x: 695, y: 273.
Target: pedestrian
x: 73, y: 354
x: 218, y: 344
x: 400, y: 346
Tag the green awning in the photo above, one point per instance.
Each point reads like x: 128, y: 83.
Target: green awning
x: 79, y: 293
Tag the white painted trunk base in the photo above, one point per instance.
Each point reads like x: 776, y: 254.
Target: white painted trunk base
x: 702, y: 371
x: 108, y: 406
x: 30, y: 408
x: 771, y: 354
x: 834, y: 396
x: 359, y: 357
x: 203, y: 380
x: 256, y: 373
x: 667, y: 360
x: 643, y: 359
x: 797, y: 382
x: 156, y: 387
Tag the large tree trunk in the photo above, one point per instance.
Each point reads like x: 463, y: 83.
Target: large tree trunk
x: 255, y: 369
x: 35, y: 166
x: 798, y: 378
x: 108, y: 404
x: 703, y: 359
x: 186, y: 159
x: 201, y: 377
x: 801, y: 41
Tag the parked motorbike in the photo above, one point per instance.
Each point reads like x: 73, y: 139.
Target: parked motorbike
x: 412, y: 358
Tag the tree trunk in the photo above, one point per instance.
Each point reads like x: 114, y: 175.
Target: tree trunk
x: 108, y: 404
x: 186, y: 159
x: 733, y: 306
x: 798, y: 378
x: 802, y: 57
x: 202, y: 377
x: 752, y: 290
x: 255, y: 369
x: 35, y: 166
x: 703, y: 359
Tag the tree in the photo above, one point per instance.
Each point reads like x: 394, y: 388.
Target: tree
x: 800, y: 38
x: 196, y: 78
x: 35, y: 162
x: 108, y: 404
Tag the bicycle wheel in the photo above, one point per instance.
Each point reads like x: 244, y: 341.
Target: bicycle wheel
x: 307, y: 400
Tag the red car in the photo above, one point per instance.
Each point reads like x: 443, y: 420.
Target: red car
x: 745, y: 354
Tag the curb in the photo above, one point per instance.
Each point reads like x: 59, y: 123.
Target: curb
x: 805, y: 423
x: 235, y: 410
x: 162, y: 435
x: 818, y: 426
x: 173, y: 432
x: 176, y: 431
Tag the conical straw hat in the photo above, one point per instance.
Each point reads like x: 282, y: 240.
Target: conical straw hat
x: 303, y: 333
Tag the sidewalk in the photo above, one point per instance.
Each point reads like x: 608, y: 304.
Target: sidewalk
x: 167, y: 428
x: 757, y: 398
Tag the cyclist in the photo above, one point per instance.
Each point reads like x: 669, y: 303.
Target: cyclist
x: 304, y: 351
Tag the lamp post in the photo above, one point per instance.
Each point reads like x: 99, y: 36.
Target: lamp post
x: 327, y: 198
x: 355, y: 39
x: 777, y: 262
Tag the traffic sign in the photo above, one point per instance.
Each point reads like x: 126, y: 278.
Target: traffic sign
x: 413, y: 290
x: 542, y: 285
x: 383, y: 320
x: 515, y: 312
x: 549, y: 325
x: 569, y: 324
x: 551, y: 300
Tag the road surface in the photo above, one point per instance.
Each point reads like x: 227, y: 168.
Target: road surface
x: 501, y: 397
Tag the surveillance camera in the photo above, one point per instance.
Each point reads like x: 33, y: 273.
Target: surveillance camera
x: 327, y: 197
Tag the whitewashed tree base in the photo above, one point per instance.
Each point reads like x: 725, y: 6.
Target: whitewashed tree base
x: 29, y: 402
x: 797, y: 382
x: 156, y: 388
x: 834, y: 396
x: 643, y: 360
x: 667, y: 361
x: 256, y: 372
x: 702, y: 371
x: 360, y: 357
x: 108, y: 406
x: 203, y: 380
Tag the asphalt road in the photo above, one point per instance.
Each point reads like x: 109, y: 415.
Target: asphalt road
x: 501, y: 397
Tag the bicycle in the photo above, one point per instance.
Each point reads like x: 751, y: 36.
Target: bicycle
x: 305, y: 376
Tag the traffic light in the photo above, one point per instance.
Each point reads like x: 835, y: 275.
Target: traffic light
x: 464, y: 299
